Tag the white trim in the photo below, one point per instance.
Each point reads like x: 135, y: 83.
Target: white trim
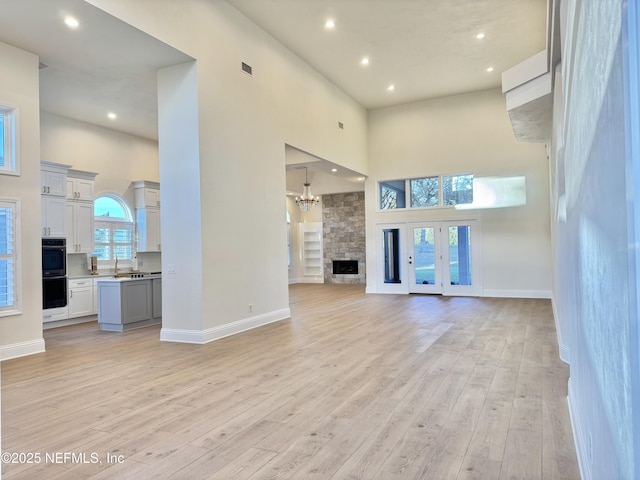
x: 21, y: 349
x: 579, y: 439
x: 565, y: 352
x: 500, y: 293
x: 226, y: 330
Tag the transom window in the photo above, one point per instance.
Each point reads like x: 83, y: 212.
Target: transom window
x: 8, y: 143
x: 425, y: 192
x: 114, y: 229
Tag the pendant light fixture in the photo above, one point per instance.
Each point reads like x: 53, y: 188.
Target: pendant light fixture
x: 306, y: 201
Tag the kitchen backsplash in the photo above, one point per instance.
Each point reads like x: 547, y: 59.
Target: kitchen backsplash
x: 78, y: 263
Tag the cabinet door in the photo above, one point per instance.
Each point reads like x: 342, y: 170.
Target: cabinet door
x: 54, y: 212
x: 151, y: 197
x: 84, y: 232
x: 153, y: 230
x: 79, y: 189
x: 80, y: 301
x: 136, y: 301
x: 80, y: 234
x: 148, y: 220
x: 53, y: 183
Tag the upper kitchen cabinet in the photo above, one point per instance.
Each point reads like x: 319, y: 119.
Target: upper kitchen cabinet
x: 53, y: 182
x: 147, y: 201
x: 53, y: 179
x: 79, y: 216
x: 80, y: 185
x: 147, y: 194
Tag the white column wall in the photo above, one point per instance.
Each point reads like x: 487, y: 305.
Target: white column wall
x: 243, y: 124
x: 22, y: 334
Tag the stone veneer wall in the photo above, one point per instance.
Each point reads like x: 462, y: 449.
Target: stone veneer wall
x: 343, y: 234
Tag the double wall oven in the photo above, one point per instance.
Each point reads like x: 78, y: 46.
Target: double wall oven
x: 54, y: 272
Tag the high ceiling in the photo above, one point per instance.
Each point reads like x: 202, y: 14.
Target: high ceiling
x: 425, y: 48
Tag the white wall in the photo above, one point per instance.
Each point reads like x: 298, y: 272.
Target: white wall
x: 468, y: 133
x: 117, y: 157
x: 243, y: 124
x: 22, y: 334
x: 595, y: 291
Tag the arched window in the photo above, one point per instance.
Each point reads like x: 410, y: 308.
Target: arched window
x: 114, y: 229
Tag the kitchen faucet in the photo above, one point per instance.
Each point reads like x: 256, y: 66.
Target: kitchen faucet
x: 116, y: 265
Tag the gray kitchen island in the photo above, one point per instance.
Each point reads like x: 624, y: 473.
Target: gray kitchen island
x: 126, y: 303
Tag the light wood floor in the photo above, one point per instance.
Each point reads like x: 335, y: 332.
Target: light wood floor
x: 354, y: 386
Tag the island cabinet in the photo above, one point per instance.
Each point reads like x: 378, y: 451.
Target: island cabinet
x: 124, y: 304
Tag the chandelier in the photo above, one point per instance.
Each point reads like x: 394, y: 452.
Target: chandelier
x: 306, y: 201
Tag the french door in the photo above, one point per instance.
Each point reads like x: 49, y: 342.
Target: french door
x: 430, y: 257
x: 444, y: 258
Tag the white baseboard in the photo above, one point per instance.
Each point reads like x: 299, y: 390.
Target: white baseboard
x: 564, y: 351
x: 216, y: 333
x: 579, y: 438
x: 21, y: 349
x: 517, y: 293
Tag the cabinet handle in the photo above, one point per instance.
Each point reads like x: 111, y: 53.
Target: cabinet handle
x: 70, y: 293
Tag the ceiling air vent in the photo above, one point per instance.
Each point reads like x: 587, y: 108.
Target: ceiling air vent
x: 247, y: 69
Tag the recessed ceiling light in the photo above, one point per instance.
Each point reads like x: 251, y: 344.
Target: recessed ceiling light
x: 391, y: 88
x: 71, y: 22
x: 334, y: 169
x: 365, y: 61
x: 329, y: 24
x: 111, y: 115
x: 490, y: 69
x: 361, y: 179
x: 480, y: 36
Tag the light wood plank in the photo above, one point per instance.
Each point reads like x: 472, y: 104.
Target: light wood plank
x: 353, y: 386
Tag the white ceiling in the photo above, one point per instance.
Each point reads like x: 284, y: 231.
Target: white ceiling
x: 426, y: 48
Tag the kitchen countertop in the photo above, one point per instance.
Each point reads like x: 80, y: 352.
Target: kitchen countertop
x: 111, y: 278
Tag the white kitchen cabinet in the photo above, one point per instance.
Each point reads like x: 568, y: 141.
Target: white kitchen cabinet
x: 80, y: 297
x: 55, y: 314
x: 79, y: 227
x: 80, y: 185
x: 53, y: 216
x: 79, y: 211
x: 147, y: 194
x: 53, y: 179
x: 148, y: 223
x: 147, y: 201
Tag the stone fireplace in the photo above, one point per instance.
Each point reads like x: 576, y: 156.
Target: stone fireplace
x: 343, y: 238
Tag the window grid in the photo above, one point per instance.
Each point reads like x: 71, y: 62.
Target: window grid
x: 426, y: 192
x: 8, y: 258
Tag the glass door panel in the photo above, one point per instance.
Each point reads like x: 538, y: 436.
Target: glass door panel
x: 461, y: 258
x: 424, y: 260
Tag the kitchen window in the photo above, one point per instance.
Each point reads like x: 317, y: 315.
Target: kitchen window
x: 9, y: 260
x: 114, y: 229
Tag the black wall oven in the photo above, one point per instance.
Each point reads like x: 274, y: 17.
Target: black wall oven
x: 54, y: 272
